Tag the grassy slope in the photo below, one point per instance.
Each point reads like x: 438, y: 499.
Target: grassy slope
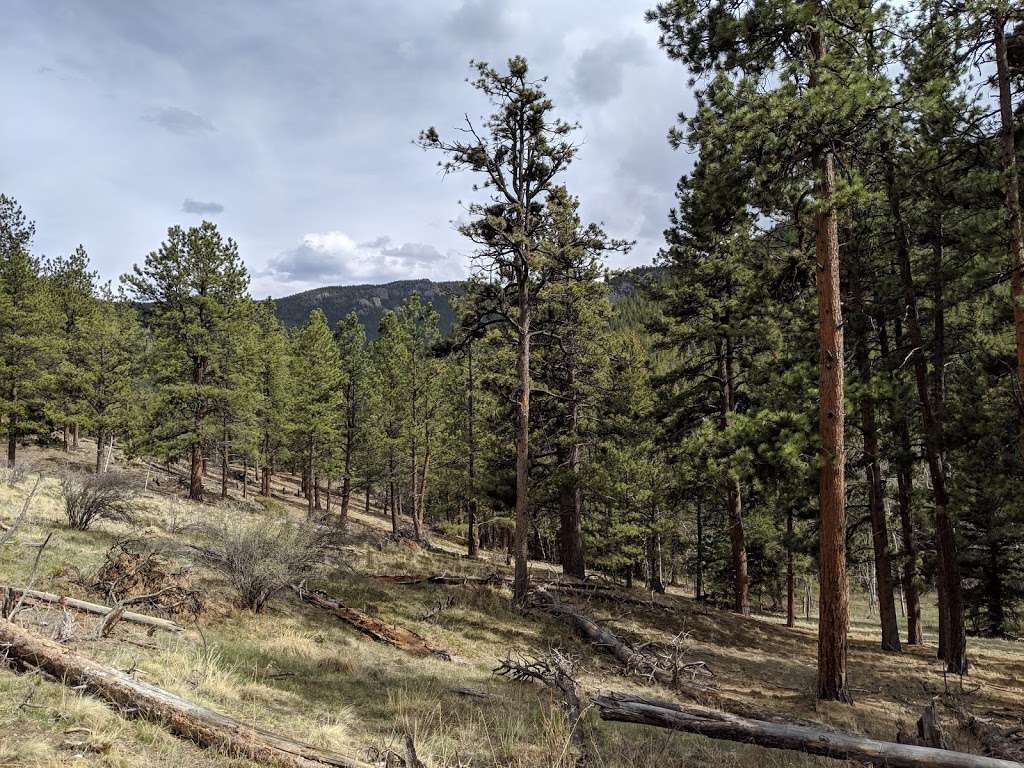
x: 298, y: 671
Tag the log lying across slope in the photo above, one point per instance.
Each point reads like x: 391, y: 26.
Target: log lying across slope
x: 399, y: 637
x: 814, y: 741
x: 184, y: 718
x: 100, y: 610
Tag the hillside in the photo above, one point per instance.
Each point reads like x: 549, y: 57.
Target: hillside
x: 298, y: 670
x: 370, y: 302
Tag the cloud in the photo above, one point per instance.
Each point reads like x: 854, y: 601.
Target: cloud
x: 334, y: 257
x: 178, y: 120
x: 195, y: 206
x: 597, y: 76
x: 480, y: 20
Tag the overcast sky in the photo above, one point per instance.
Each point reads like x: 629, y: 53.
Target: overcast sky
x: 290, y: 124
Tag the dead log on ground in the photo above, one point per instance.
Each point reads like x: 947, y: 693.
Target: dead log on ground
x: 801, y: 738
x: 182, y: 717
x: 631, y: 658
x: 101, y: 610
x: 399, y: 637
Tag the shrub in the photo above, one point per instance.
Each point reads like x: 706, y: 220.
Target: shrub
x: 15, y: 474
x: 260, y: 558
x: 88, y: 498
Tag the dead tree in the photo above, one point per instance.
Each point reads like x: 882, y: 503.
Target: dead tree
x: 715, y: 724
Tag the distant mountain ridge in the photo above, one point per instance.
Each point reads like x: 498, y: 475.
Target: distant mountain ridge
x: 370, y: 302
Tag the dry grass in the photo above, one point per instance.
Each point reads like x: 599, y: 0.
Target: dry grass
x: 299, y: 671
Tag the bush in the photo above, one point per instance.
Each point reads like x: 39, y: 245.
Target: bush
x: 88, y: 498
x: 260, y: 558
x: 15, y: 474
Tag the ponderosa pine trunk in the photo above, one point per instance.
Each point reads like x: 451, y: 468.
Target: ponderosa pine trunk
x: 99, y: 449
x: 698, y: 579
x: 873, y: 480
x: 790, y: 573
x: 570, y: 531
x: 952, y: 635
x: 521, y: 582
x: 655, y: 578
x: 195, y: 483
x: 1012, y: 186
x: 224, y: 462
x: 472, y: 535
x: 392, y: 495
x: 74, y: 437
x: 833, y: 600
x: 734, y: 498
x: 904, y: 461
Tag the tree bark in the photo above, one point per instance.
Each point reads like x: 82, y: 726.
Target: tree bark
x: 34, y: 595
x: 195, y: 483
x: 391, y: 634
x: 698, y: 581
x: 224, y: 468
x: 790, y: 573
x: 182, y: 717
x: 521, y: 584
x: 1012, y: 185
x: 734, y: 513
x: 833, y: 600
x: 873, y: 479
x: 472, y: 534
x: 627, y: 708
x: 99, y: 449
x: 952, y: 635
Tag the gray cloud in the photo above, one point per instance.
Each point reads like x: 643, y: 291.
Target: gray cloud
x: 201, y: 208
x: 178, y: 120
x: 334, y: 257
x: 258, y: 104
x: 480, y: 20
x: 598, y: 74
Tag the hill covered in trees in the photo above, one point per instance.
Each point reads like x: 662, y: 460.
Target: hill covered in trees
x: 368, y: 302
x: 371, y: 302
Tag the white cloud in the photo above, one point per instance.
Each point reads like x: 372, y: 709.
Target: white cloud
x: 336, y: 257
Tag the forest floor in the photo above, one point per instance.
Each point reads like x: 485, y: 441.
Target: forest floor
x: 297, y: 670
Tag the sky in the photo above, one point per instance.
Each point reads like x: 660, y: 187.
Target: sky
x: 290, y: 123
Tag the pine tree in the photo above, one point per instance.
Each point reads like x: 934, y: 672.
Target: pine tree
x: 110, y: 344
x: 27, y: 325
x: 519, y: 154
x: 72, y: 288
x: 317, y: 398
x: 194, y: 283
x: 355, y: 361
x: 274, y: 391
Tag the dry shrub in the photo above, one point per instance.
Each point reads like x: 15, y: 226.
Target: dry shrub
x: 136, y: 573
x: 88, y: 498
x: 261, y: 557
x: 15, y: 474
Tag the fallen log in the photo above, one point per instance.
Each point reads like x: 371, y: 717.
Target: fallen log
x: 203, y: 726
x: 100, y: 610
x: 625, y: 708
x: 399, y: 637
x: 628, y: 656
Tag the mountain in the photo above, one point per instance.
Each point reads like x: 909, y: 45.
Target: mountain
x: 370, y: 302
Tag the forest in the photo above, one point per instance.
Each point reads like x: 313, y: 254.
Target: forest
x: 806, y: 416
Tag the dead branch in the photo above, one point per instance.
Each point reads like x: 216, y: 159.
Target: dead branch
x: 101, y: 610
x: 394, y: 635
x: 620, y: 707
